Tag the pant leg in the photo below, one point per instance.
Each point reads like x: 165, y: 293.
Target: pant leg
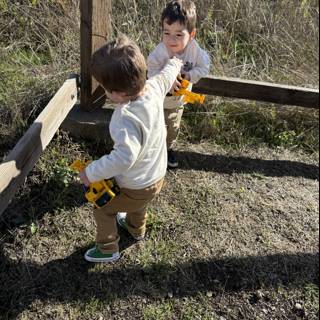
x: 107, y: 237
x: 173, y: 120
x: 137, y: 219
x: 134, y: 202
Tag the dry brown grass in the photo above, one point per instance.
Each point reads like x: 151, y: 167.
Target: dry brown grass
x: 275, y: 41
x: 35, y: 63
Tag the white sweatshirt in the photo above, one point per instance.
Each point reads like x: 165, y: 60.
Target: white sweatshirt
x: 139, y: 155
x: 195, y: 61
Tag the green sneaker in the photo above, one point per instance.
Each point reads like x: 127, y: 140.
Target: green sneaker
x: 95, y: 255
x: 121, y: 219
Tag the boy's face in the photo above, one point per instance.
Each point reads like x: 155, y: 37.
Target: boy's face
x: 176, y: 37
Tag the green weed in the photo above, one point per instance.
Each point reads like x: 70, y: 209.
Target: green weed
x: 33, y: 228
x: 155, y: 223
x: 197, y: 310
x: 160, y: 252
x: 312, y: 296
x: 61, y: 172
x: 158, y: 312
x: 94, y: 305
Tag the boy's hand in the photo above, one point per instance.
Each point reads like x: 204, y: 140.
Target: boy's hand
x: 186, y: 76
x: 84, y: 178
x: 177, y: 60
x: 175, y: 87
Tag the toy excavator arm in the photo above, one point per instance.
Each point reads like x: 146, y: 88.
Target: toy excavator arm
x: 79, y: 165
x: 189, y: 96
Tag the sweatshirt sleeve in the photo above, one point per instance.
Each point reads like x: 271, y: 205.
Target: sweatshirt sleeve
x: 156, y: 60
x: 167, y: 76
x: 127, y: 145
x: 201, y: 68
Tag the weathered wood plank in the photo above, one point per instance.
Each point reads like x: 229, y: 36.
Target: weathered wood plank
x: 28, y: 150
x: 260, y: 91
x: 95, y: 29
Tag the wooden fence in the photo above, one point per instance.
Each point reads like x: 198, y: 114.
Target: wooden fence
x: 21, y: 160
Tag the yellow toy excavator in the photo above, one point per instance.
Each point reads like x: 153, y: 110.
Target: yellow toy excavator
x: 189, y: 97
x: 99, y: 193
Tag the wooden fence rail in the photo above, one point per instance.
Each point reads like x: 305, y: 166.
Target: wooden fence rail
x: 28, y: 150
x: 260, y: 91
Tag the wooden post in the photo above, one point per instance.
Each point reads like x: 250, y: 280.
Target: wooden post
x: 95, y: 30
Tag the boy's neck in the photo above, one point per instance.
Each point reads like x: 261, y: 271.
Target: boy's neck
x: 136, y: 96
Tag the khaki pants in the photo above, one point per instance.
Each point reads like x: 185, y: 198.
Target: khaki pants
x: 134, y: 202
x: 173, y: 120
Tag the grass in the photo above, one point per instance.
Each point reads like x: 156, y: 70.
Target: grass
x: 228, y: 238
x: 33, y: 64
x: 155, y: 312
x: 235, y: 232
x: 235, y: 123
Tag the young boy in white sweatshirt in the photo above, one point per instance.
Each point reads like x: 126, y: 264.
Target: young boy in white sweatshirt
x: 178, y: 32
x: 138, y: 161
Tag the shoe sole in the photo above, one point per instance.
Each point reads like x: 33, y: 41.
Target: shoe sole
x: 173, y: 165
x: 138, y: 238
x: 119, y: 222
x: 105, y: 260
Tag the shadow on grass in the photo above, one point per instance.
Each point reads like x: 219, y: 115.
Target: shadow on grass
x: 74, y: 280
x: 39, y: 199
x: 229, y: 165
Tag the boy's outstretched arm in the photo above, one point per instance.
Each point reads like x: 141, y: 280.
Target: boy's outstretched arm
x: 168, y: 75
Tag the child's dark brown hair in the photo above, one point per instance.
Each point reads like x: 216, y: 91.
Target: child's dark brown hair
x: 120, y: 66
x: 183, y: 11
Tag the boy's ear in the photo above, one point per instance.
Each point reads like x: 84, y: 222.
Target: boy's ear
x: 193, y: 33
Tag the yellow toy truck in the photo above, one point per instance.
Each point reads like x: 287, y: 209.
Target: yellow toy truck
x: 99, y: 193
x: 189, y: 97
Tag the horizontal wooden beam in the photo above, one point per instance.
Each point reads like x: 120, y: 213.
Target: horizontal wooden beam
x: 28, y: 150
x: 260, y: 91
